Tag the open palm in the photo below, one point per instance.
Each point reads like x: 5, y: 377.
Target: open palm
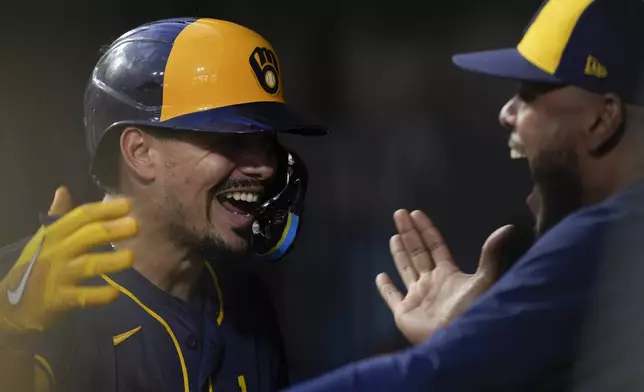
x: 437, y: 290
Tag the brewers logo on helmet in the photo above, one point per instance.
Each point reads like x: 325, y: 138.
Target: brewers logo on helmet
x: 201, y: 75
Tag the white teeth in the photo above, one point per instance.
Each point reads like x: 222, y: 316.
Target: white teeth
x: 243, y: 196
x: 517, y: 149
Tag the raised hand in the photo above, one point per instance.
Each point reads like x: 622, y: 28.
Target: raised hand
x: 47, y: 277
x: 437, y: 290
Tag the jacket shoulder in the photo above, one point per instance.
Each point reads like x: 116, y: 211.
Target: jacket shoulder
x: 9, y: 255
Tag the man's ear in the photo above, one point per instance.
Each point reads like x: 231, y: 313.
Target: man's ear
x: 136, y: 147
x: 607, y: 130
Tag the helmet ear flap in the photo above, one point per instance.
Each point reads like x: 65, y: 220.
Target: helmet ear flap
x: 104, y: 165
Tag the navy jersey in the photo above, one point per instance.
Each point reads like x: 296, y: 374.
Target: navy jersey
x: 524, y: 333
x: 225, y: 339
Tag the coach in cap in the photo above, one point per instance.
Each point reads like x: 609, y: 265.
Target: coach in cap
x: 578, y: 120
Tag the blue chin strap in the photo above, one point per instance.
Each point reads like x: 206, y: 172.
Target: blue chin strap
x: 279, y: 219
x: 286, y: 241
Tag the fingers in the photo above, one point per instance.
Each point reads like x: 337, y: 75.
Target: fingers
x: 432, y: 238
x: 87, y: 214
x: 62, y: 203
x: 95, y: 264
x: 402, y: 261
x: 84, y: 297
x: 488, y: 264
x: 97, y: 234
x: 388, y: 291
x: 418, y: 252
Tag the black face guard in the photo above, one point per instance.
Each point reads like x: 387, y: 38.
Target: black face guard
x: 278, y: 220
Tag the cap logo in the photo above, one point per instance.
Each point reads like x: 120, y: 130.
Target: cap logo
x: 595, y: 68
x: 265, y: 68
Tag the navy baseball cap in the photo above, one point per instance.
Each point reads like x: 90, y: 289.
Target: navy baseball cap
x: 592, y: 44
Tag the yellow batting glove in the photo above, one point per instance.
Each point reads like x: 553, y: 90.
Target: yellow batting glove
x: 46, y: 279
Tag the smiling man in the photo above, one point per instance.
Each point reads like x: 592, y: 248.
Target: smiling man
x: 578, y: 119
x: 181, y: 121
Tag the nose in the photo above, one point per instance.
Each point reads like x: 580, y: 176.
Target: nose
x: 258, y: 160
x: 508, y: 113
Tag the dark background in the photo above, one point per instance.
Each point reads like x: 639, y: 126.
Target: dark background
x: 408, y: 130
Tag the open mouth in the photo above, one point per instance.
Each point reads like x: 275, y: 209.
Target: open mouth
x: 517, y: 148
x: 241, y: 202
x: 518, y: 151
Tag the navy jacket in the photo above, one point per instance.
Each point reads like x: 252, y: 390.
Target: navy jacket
x: 524, y: 334
x: 226, y: 340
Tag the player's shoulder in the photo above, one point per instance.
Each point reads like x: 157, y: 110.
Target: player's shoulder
x: 625, y: 208
x: 586, y: 235
x: 11, y: 251
x: 9, y: 254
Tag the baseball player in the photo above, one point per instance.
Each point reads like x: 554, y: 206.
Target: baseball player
x: 181, y: 117
x: 578, y: 118
x: 181, y: 120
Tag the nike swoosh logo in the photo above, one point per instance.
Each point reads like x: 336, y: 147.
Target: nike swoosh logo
x: 14, y: 296
x: 118, y: 339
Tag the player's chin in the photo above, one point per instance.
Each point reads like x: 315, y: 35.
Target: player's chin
x: 233, y: 230
x: 237, y: 242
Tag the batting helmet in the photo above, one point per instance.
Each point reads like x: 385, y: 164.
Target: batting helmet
x: 201, y: 75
